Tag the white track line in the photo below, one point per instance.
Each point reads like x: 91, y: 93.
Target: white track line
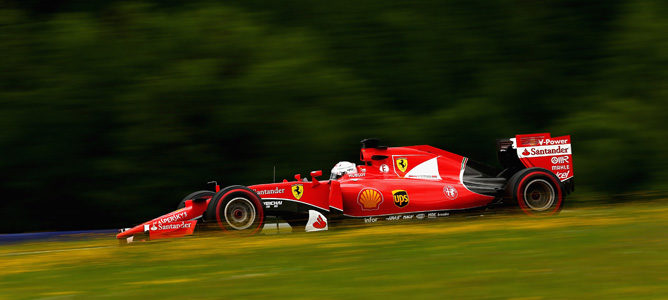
x: 52, y: 251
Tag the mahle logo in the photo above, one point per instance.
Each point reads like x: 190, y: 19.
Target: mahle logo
x: 298, y: 191
x: 402, y: 164
x: 400, y: 198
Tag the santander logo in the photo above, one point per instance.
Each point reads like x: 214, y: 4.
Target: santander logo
x: 320, y: 223
x: 536, y: 151
x: 316, y: 222
x: 558, y: 150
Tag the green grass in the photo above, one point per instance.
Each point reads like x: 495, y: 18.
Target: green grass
x: 600, y: 252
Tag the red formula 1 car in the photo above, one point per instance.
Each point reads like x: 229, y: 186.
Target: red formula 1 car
x: 391, y: 184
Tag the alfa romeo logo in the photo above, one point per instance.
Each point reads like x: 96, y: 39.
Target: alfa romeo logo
x: 450, y: 192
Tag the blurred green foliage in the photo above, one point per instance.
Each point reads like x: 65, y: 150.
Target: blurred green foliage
x: 111, y: 112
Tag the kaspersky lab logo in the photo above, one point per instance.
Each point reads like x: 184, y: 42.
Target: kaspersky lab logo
x: 400, y: 198
x: 298, y: 191
x: 402, y: 164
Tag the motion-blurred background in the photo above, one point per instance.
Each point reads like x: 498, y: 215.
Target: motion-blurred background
x: 112, y: 111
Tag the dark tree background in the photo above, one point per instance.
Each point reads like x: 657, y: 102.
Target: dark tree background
x: 111, y: 111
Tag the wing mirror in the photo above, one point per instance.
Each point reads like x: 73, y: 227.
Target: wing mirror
x: 315, y: 174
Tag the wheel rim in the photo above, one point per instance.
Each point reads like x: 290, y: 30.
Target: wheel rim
x: 240, y: 213
x: 539, y: 195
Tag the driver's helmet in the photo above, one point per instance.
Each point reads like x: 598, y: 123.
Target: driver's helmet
x: 341, y: 168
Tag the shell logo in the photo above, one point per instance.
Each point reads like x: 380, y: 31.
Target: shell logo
x: 369, y: 199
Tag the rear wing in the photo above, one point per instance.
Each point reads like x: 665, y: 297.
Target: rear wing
x: 554, y: 154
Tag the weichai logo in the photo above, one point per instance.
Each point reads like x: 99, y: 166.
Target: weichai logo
x: 400, y: 198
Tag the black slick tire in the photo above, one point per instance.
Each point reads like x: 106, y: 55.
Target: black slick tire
x: 536, y: 191
x: 236, y: 209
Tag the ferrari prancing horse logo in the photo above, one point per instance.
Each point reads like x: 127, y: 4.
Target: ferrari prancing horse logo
x: 402, y: 164
x: 298, y: 191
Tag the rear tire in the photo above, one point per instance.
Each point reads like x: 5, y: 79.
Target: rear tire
x: 195, y: 195
x: 236, y: 209
x: 536, y: 191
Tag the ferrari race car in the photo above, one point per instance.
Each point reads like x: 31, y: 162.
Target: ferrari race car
x: 391, y: 184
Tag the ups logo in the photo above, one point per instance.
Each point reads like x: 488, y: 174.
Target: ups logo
x: 400, y: 198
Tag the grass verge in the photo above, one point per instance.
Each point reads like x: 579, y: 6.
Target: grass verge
x: 601, y: 252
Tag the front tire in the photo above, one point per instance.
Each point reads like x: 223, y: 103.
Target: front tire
x: 536, y: 191
x: 236, y: 209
